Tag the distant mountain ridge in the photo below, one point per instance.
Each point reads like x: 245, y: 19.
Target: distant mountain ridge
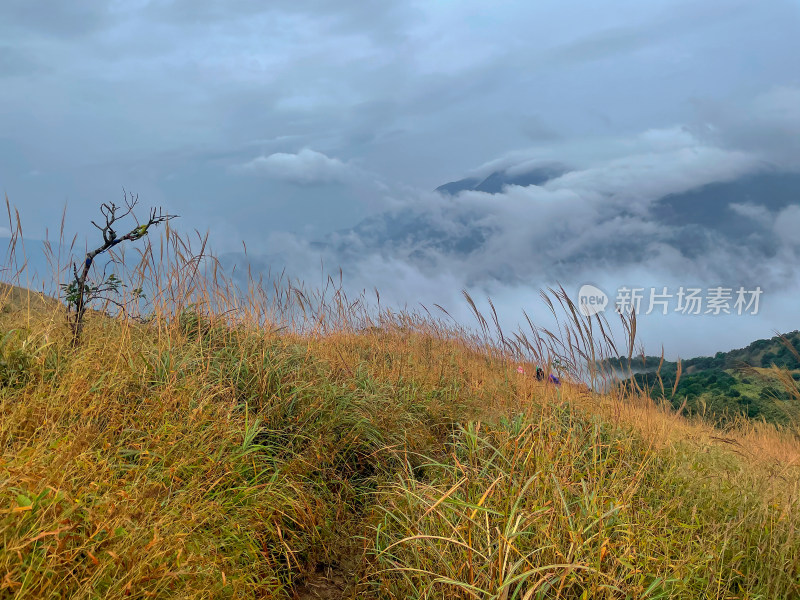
x: 758, y: 354
x: 497, y: 180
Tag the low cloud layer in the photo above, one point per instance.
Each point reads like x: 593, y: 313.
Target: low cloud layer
x: 603, y: 215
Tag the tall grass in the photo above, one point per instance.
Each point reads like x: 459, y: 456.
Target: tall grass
x: 281, y: 442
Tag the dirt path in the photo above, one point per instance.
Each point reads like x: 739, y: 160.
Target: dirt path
x: 330, y: 582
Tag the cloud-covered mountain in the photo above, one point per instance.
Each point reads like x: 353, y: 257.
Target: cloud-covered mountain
x: 753, y: 211
x: 715, y: 218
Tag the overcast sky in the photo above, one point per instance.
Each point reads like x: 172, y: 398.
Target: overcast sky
x: 288, y: 123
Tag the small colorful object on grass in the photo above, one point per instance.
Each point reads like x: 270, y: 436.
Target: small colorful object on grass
x: 520, y: 370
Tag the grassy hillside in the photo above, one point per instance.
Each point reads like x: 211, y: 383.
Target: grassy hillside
x: 739, y: 382
x: 229, y: 453
x: 15, y: 299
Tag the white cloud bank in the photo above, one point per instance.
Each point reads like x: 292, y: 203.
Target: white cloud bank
x: 307, y: 167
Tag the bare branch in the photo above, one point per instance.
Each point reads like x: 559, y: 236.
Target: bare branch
x: 79, y: 293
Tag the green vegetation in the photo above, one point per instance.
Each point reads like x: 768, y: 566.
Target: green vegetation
x: 255, y: 448
x: 727, y: 385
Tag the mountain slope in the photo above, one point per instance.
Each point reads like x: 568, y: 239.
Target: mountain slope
x: 737, y: 382
x: 196, y: 456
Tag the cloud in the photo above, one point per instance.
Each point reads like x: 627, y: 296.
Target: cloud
x: 755, y: 212
x: 787, y: 224
x: 599, y: 215
x: 307, y: 167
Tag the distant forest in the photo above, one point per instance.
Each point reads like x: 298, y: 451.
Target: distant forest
x: 725, y: 385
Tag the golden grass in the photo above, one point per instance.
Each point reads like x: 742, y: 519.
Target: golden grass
x: 212, y: 445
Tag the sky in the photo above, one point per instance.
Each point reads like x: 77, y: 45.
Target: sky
x: 317, y: 131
